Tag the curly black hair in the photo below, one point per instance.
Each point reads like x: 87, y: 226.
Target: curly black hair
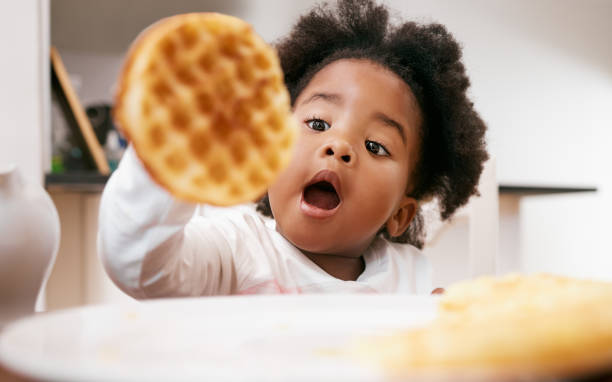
x: 428, y: 59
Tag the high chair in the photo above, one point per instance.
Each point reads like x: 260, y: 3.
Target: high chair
x: 467, y: 245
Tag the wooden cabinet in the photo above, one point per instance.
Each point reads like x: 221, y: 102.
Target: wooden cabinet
x: 78, y: 277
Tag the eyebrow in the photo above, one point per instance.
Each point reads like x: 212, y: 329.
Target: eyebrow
x: 329, y: 97
x: 391, y: 122
x: 337, y: 99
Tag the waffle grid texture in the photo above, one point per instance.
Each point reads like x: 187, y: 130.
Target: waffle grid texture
x: 201, y: 98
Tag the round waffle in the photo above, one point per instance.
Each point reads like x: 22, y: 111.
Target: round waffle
x: 202, y: 100
x: 527, y: 328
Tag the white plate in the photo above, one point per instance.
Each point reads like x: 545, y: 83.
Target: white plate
x: 271, y: 338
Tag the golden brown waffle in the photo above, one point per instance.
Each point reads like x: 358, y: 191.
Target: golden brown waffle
x: 202, y: 100
x: 527, y: 328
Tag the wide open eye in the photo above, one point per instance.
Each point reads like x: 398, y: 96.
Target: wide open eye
x: 376, y: 148
x: 318, y: 124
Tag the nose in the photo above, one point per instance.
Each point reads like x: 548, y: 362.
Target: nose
x: 340, y: 150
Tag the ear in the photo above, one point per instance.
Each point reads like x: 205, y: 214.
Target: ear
x: 400, y: 220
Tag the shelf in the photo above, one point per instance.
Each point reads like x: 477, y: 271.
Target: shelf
x: 94, y: 182
x: 531, y: 190
x: 85, y: 181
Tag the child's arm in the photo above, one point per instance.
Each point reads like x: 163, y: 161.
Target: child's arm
x: 151, y: 246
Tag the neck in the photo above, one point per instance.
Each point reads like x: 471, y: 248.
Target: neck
x: 341, y: 267
x: 346, y: 266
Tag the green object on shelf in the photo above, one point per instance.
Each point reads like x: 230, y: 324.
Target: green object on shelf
x: 57, y: 165
x: 112, y: 164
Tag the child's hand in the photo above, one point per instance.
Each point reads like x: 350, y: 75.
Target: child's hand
x: 438, y: 291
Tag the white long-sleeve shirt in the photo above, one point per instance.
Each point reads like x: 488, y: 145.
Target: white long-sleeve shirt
x: 153, y: 245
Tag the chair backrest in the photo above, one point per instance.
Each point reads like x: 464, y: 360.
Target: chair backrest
x: 466, y: 246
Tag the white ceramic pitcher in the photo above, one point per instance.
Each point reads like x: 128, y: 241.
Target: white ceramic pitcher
x: 29, y: 240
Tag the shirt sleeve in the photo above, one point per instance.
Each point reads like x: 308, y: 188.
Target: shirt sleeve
x: 153, y: 245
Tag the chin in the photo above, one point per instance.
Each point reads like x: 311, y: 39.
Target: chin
x: 314, y: 243
x: 307, y: 240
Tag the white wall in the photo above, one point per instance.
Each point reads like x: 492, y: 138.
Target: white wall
x: 93, y: 74
x: 541, y: 78
x: 24, y: 85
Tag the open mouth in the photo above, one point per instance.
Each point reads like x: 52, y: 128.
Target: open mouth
x: 322, y: 195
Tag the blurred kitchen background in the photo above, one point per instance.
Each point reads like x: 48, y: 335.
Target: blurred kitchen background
x: 541, y: 74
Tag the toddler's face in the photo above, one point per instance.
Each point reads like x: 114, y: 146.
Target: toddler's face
x: 350, y: 171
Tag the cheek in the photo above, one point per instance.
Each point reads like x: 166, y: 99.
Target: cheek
x: 290, y: 179
x: 278, y: 191
x: 382, y: 189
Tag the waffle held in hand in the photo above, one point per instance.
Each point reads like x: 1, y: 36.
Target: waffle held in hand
x: 202, y: 100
